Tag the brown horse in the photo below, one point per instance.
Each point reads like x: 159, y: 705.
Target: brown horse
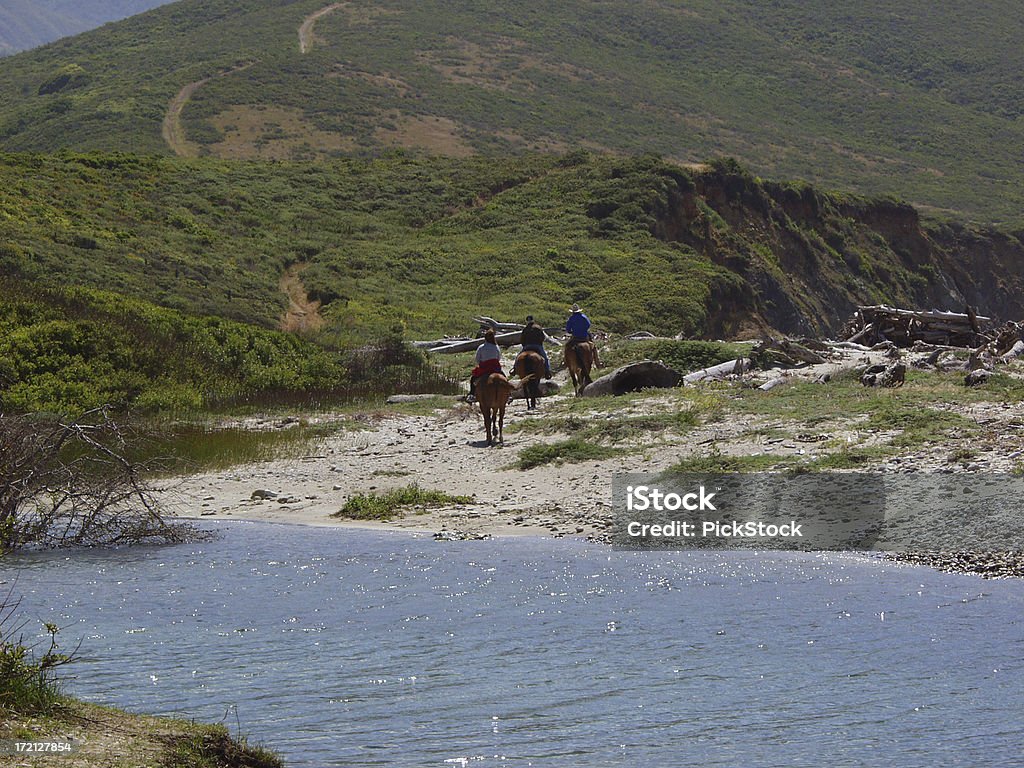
x: 529, y: 365
x: 579, y: 359
x: 493, y: 393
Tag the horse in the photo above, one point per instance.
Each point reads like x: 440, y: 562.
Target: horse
x: 493, y: 392
x: 530, y: 364
x: 579, y: 358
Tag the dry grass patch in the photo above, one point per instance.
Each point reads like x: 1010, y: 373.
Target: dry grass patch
x: 434, y: 134
x: 254, y: 132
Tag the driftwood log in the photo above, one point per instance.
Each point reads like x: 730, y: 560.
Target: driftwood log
x: 720, y: 371
x: 773, y: 352
x: 490, y: 322
x: 428, y: 345
x: 502, y: 340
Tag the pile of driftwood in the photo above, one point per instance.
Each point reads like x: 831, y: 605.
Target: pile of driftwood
x: 903, y: 327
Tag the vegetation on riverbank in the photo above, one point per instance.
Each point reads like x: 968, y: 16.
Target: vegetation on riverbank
x: 105, y: 737
x: 388, y: 504
x: 801, y: 426
x: 33, y: 707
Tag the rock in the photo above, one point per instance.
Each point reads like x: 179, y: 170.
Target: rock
x: 884, y: 375
x: 460, y: 536
x: 976, y: 377
x: 647, y: 374
x: 1017, y: 350
x: 289, y: 500
x: 263, y: 493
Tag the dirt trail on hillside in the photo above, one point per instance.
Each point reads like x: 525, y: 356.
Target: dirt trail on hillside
x: 302, y: 314
x: 173, y: 131
x: 306, y: 30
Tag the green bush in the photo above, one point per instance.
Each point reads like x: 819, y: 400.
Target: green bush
x: 74, y: 349
x: 384, y: 506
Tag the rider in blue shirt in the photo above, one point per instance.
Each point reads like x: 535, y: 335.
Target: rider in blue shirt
x: 578, y: 325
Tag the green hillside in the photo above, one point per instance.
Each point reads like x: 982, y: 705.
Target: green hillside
x: 160, y: 282
x: 920, y: 101
x: 422, y: 243
x: 416, y: 242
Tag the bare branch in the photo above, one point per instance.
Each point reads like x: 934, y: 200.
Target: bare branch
x: 72, y: 483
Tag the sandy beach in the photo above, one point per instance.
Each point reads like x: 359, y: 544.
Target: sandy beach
x: 445, y: 450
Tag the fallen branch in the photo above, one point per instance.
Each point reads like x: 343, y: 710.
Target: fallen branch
x: 71, y: 483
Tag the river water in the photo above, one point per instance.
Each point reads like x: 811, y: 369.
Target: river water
x: 343, y: 647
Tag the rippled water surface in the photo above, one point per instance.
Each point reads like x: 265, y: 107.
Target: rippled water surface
x: 342, y: 647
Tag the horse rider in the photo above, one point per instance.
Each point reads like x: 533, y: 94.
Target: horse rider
x: 488, y: 361
x: 533, y: 341
x: 578, y: 325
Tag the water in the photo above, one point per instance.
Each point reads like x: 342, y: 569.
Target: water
x: 340, y: 647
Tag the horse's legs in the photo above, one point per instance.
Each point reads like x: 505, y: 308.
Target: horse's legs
x: 588, y: 362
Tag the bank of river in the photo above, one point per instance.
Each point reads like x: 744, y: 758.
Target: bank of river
x: 351, y: 647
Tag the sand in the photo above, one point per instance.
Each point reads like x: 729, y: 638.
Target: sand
x: 445, y: 450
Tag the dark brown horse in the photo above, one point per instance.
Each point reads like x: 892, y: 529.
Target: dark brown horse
x: 530, y: 364
x: 493, y: 393
x: 579, y: 359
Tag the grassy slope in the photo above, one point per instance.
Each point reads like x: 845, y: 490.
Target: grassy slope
x: 920, y: 103
x: 421, y: 244
x: 418, y: 243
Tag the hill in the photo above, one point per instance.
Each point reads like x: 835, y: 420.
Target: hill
x: 422, y: 243
x: 921, y: 102
x: 27, y: 23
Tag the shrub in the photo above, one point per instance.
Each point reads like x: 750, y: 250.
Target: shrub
x: 384, y: 506
x: 27, y: 682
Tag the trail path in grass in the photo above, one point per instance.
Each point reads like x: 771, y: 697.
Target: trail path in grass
x: 303, y: 314
x: 306, y: 30
x: 173, y: 131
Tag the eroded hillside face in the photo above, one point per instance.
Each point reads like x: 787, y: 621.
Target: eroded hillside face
x: 810, y: 258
